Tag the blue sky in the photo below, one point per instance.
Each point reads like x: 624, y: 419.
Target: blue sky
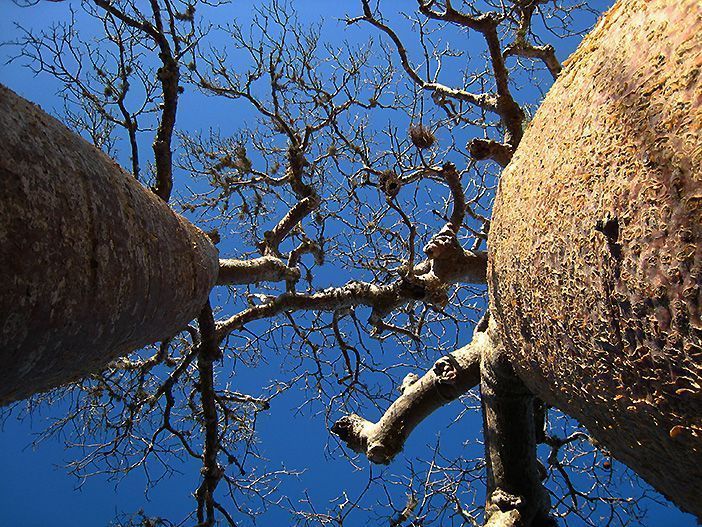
x: 37, y: 492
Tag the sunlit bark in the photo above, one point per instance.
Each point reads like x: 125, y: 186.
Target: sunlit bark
x: 596, y: 243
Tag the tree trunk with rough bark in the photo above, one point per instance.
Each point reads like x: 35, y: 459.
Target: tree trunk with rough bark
x: 92, y: 265
x: 595, y: 257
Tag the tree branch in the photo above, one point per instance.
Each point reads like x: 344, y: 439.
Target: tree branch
x: 506, y: 107
x: 212, y: 472
x: 483, y: 100
x: 449, y: 262
x: 169, y: 76
x: 428, y: 284
x: 545, y: 53
x: 142, y: 25
x: 522, y: 48
x: 449, y: 378
x: 274, y: 237
x: 262, y: 269
x: 481, y: 149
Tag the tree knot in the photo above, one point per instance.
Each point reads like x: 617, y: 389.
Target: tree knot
x: 504, y: 501
x: 408, y: 381
x: 351, y: 429
x: 443, y: 244
x: 446, y: 369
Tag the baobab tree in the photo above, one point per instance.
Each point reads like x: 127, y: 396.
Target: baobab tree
x: 317, y: 183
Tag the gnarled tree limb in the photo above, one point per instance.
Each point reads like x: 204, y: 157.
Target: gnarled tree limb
x: 427, y: 283
x: 486, y: 24
x: 449, y: 378
x: 481, y: 149
x: 485, y: 101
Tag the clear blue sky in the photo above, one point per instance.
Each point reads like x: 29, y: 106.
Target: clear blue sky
x: 36, y: 492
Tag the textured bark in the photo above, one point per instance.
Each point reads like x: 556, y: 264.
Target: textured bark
x: 595, y: 257
x: 92, y: 265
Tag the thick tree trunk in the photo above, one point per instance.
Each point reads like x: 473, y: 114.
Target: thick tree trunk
x: 92, y: 265
x: 595, y: 258
x: 515, y: 494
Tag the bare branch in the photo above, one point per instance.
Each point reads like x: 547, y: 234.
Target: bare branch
x: 481, y: 149
x: 211, y: 471
x: 274, y: 237
x: 546, y: 53
x: 486, y: 23
x: 521, y: 47
x: 450, y: 377
x: 263, y: 269
x: 426, y: 286
x: 485, y: 101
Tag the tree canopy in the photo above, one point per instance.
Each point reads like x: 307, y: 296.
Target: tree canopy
x: 346, y: 170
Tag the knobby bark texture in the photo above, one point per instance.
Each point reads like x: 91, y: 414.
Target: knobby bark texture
x: 92, y: 265
x: 595, y: 256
